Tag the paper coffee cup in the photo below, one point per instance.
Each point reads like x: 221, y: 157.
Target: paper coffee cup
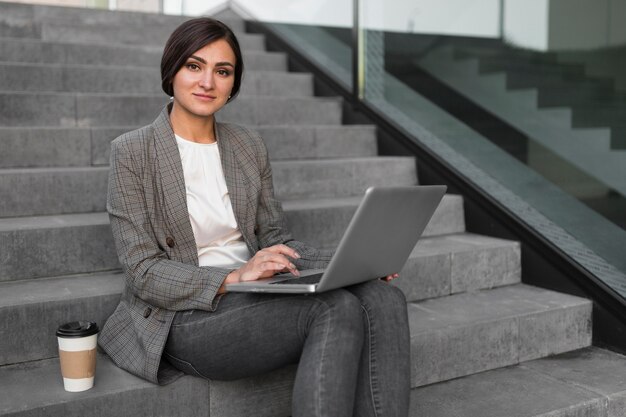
x: 77, y: 353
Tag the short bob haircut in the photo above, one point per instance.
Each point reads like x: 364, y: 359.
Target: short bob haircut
x: 191, y: 36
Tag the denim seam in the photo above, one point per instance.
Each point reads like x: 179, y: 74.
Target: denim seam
x: 370, y: 361
x: 323, y: 356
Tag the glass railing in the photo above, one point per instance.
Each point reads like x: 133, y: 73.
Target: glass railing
x: 527, y: 101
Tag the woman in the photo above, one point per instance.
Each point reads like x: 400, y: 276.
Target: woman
x: 192, y: 207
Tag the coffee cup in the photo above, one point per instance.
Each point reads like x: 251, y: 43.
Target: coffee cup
x: 77, y: 354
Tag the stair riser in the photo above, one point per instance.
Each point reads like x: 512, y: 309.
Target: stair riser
x: 56, y: 251
x: 46, y: 192
x: 149, y: 35
x: 507, y: 341
x: 324, y: 227
x: 45, y: 147
x: 489, y: 53
x: 569, y: 96
x: 43, y: 192
x: 523, y: 67
x: 66, y: 147
x: 65, y: 30
x: 18, y: 13
x: 16, y: 50
x: 82, y: 249
x: 599, y: 116
x: 458, y: 271
x: 70, y: 110
x: 522, y: 80
x: 37, y: 340
x: 319, y: 142
x: 327, y: 179
x: 135, y: 81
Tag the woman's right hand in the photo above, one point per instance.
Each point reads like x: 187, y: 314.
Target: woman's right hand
x: 265, y: 264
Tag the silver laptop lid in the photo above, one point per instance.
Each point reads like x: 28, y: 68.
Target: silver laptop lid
x: 382, y: 233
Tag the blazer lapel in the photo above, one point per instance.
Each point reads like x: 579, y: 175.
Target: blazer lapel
x: 169, y: 173
x: 234, y: 179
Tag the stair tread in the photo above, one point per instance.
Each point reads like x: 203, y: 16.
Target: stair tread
x: 9, y: 224
x: 484, y: 306
x: 584, y: 382
x: 40, y: 385
x: 54, y: 289
x: 588, y: 379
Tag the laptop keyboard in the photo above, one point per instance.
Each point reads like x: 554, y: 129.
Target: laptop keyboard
x: 309, y: 279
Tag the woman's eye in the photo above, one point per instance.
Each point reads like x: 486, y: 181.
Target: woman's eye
x: 193, y: 67
x: 223, y: 72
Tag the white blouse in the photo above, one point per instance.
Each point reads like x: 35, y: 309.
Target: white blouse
x: 213, y: 222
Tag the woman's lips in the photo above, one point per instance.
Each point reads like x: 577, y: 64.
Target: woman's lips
x: 205, y: 97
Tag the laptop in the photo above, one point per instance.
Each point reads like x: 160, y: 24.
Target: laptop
x: 377, y: 242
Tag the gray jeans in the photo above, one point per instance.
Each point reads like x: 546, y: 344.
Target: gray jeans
x: 351, y: 346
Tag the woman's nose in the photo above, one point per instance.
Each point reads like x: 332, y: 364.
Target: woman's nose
x: 206, y: 80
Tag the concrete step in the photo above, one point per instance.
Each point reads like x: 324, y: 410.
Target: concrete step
x: 488, y: 65
x: 595, y: 114
x: 36, y: 390
x: 525, y: 80
x: 316, y: 142
x: 498, y: 325
x: 438, y: 266
x: 586, y: 382
x: 122, y: 34
x: 504, y: 53
x: 41, y: 191
x: 555, y: 96
x: 457, y: 263
x: 468, y: 333
x: 45, y: 191
x: 46, y: 246
x: 24, y: 147
x: 56, y: 245
x: 30, y: 77
x: 328, y: 178
x: 103, y: 110
x: 36, y: 51
x: 18, y: 14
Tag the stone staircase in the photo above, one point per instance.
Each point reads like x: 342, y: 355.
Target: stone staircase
x: 580, y: 119
x: 71, y: 80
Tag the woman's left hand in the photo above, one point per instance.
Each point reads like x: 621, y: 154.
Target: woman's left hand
x: 391, y: 277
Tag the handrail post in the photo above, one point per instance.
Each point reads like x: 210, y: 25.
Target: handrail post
x: 358, y: 73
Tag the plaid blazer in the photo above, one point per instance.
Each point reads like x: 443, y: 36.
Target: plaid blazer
x: 155, y: 244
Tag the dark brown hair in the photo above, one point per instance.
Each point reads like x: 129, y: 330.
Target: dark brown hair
x: 191, y: 36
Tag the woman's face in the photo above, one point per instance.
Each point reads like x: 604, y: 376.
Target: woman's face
x: 203, y: 84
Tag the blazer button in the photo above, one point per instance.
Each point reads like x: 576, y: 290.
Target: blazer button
x: 147, y: 312
x: 170, y: 242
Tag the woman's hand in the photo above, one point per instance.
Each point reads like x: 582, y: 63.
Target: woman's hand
x: 265, y: 263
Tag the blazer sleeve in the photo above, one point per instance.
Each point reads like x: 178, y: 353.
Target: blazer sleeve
x: 271, y: 225
x: 150, y: 274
